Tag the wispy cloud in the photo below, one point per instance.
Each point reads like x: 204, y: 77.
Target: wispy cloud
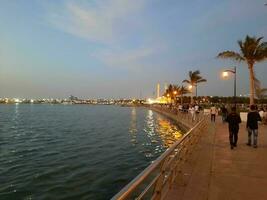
x: 98, y: 22
x: 132, y: 59
x: 113, y: 24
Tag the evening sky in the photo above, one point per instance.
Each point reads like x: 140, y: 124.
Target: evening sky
x: 123, y: 48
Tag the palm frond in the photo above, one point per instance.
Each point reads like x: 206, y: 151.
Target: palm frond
x: 258, y: 40
x: 194, y: 78
x: 186, y: 81
x: 259, y: 91
x: 261, y: 52
x: 183, y: 90
x: 201, y: 80
x: 230, y: 55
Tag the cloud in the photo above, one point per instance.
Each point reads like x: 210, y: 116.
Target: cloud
x: 128, y: 58
x: 98, y: 22
x: 114, y: 24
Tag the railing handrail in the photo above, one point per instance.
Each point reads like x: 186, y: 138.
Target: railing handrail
x: 144, y: 174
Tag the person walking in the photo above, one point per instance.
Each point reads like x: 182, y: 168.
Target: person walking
x: 252, y: 125
x: 224, y: 113
x: 213, y: 112
x: 193, y: 112
x: 233, y: 120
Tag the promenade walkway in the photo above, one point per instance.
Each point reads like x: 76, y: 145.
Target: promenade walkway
x: 216, y: 172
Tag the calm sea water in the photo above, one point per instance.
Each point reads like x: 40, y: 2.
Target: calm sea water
x: 77, y: 151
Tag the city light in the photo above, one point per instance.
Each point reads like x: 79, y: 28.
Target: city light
x: 16, y: 100
x: 150, y: 101
x: 225, y: 74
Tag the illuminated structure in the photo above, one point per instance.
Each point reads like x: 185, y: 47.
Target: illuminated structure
x: 158, y: 90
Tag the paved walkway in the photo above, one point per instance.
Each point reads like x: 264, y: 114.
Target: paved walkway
x: 216, y: 172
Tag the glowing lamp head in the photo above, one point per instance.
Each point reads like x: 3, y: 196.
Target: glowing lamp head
x: 168, y: 95
x: 190, y: 87
x: 225, y: 74
x: 175, y: 92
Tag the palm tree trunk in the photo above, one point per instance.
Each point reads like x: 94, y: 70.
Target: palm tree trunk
x: 181, y: 99
x: 192, y: 100
x: 252, y: 85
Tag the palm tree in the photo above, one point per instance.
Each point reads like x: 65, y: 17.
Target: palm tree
x: 181, y: 91
x: 171, y: 92
x: 252, y: 50
x: 168, y: 91
x: 259, y: 91
x: 194, y: 79
x: 175, y: 92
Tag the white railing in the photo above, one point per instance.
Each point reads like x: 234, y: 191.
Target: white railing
x: 156, y: 180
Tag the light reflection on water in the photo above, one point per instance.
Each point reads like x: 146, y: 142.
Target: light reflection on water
x: 168, y: 132
x: 46, y: 152
x: 133, y: 126
x: 159, y: 132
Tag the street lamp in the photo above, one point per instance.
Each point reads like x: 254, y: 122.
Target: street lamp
x: 190, y: 88
x: 174, y: 95
x: 226, y: 74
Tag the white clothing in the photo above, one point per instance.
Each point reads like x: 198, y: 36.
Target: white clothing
x: 261, y: 113
x: 213, y: 110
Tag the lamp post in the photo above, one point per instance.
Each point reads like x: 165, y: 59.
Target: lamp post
x: 225, y: 74
x: 190, y: 88
x: 174, y: 95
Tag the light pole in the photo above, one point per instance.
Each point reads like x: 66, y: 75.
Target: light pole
x: 225, y: 74
x: 190, y: 88
x: 174, y: 93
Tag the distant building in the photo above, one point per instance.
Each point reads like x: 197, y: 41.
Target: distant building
x: 158, y: 90
x: 73, y: 98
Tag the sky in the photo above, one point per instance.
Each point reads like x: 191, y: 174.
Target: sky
x: 123, y: 48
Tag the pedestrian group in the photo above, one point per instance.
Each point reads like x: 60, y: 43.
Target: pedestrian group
x: 233, y: 119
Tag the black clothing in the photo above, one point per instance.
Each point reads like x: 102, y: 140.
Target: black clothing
x: 252, y: 120
x: 233, y: 137
x: 234, y: 120
x: 224, y: 110
x: 212, y: 117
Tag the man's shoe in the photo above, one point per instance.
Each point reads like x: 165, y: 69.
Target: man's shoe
x: 248, y: 144
x: 235, y: 145
x: 255, y: 146
x: 232, y: 147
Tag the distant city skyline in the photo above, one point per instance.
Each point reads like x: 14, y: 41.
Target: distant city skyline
x: 123, y: 48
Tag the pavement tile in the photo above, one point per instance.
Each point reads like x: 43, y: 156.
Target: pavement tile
x: 218, y: 173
